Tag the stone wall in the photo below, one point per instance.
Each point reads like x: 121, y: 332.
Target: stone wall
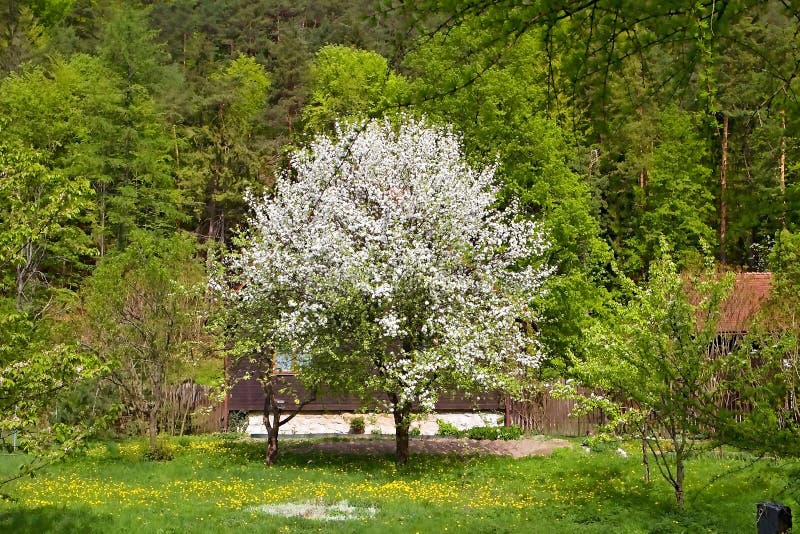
x: 309, y: 423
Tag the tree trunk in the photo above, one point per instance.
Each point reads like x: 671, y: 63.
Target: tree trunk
x: 102, y: 243
x: 723, y: 181
x: 271, y: 408
x: 212, y: 212
x: 152, y: 429
x: 272, y: 446
x: 402, y: 422
x: 679, y: 475
x: 783, y: 169
x: 645, y: 461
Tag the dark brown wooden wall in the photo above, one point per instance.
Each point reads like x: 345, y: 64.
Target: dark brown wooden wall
x: 249, y: 396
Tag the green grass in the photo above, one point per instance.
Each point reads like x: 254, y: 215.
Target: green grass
x: 213, y: 485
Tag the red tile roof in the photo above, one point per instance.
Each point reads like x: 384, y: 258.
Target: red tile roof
x: 750, y: 291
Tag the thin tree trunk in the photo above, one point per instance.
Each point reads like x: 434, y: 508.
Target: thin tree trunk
x: 271, y: 409
x: 274, y: 425
x: 783, y: 169
x: 723, y: 180
x: 212, y: 211
x: 102, y: 244
x: 152, y: 429
x: 402, y: 423
x: 645, y: 461
x: 272, y: 441
x: 679, y: 475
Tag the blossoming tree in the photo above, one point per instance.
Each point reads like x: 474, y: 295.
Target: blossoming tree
x: 381, y: 259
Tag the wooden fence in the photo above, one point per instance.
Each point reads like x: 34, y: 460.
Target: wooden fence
x: 188, y: 409
x: 543, y: 414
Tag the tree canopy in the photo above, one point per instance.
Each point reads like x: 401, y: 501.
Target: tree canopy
x: 380, y: 261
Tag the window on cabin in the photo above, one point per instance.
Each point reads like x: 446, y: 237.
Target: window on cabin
x: 288, y: 361
x: 283, y: 361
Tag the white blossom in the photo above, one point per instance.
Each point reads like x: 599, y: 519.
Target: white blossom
x: 388, y: 226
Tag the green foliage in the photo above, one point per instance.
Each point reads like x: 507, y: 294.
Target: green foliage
x: 651, y: 361
x: 41, y: 244
x: 161, y: 453
x: 502, y: 116
x: 89, y: 126
x: 142, y: 315
x: 480, y: 432
x: 350, y: 84
x: 223, y: 159
x: 41, y: 211
x: 357, y: 425
x: 494, y: 432
x: 767, y: 364
x: 674, y: 198
x: 447, y: 429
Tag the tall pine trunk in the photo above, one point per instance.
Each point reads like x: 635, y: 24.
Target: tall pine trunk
x: 783, y: 169
x: 723, y: 181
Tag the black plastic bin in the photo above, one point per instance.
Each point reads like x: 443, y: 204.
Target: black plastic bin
x: 773, y: 518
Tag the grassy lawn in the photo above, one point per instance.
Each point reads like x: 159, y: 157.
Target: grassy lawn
x: 215, y: 485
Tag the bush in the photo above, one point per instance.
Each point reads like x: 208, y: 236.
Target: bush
x: 495, y: 432
x: 112, y: 449
x: 483, y: 432
x: 480, y: 432
x: 357, y: 425
x: 162, y: 453
x: 447, y: 429
x: 510, y: 433
x: 415, y: 431
x: 237, y: 421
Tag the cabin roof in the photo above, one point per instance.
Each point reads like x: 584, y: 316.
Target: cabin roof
x: 750, y: 291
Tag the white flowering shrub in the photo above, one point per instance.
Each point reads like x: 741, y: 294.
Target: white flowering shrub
x: 381, y: 258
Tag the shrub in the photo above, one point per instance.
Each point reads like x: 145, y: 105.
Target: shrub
x: 510, y: 432
x: 447, y: 429
x: 357, y: 425
x: 161, y: 453
x: 495, y: 432
x: 112, y: 449
x: 237, y: 421
x: 480, y: 432
x: 483, y: 432
x: 415, y: 431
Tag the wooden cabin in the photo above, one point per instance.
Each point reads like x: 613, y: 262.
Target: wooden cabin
x: 331, y: 414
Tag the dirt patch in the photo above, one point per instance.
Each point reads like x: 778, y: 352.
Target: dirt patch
x: 515, y: 448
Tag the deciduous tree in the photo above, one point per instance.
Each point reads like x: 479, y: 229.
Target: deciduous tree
x: 381, y: 258
x: 651, y: 360
x: 143, y: 313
